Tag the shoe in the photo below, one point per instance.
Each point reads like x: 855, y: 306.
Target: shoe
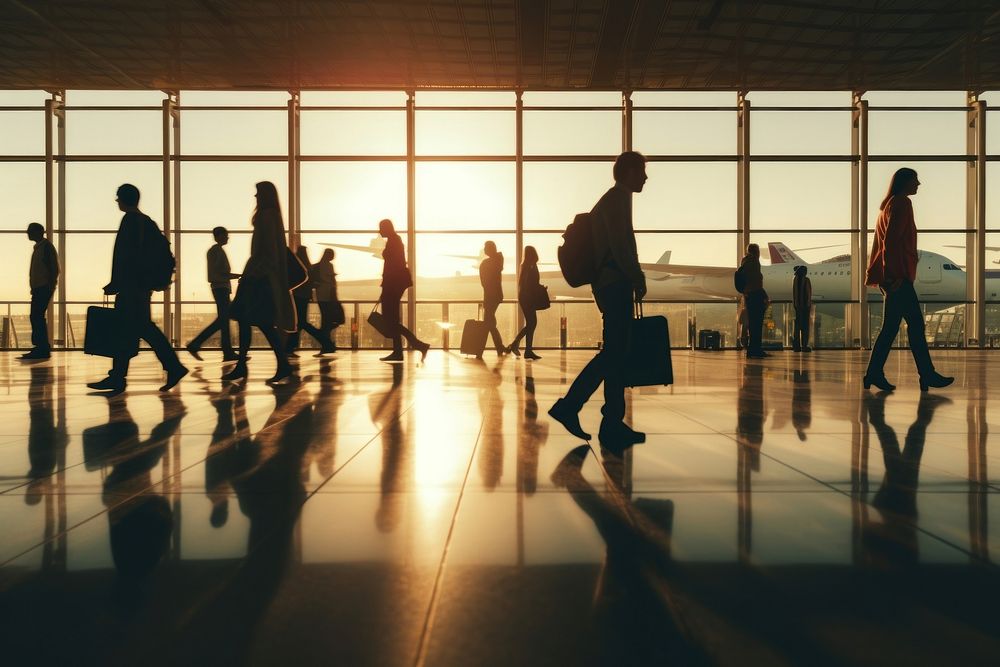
x: 515, y: 351
x: 35, y: 354
x: 879, y: 382
x: 109, y: 384
x: 193, y: 351
x: 422, y: 349
x: 228, y: 358
x: 807, y: 349
x: 395, y: 356
x: 936, y: 380
x: 569, y: 418
x: 501, y: 351
x: 757, y: 355
x: 284, y: 371
x: 238, y: 373
x: 621, y: 435
x: 530, y: 354
x: 292, y: 355
x: 173, y: 377
x: 325, y: 351
x: 796, y: 348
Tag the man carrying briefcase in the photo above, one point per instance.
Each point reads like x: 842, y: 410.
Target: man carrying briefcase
x: 617, y: 284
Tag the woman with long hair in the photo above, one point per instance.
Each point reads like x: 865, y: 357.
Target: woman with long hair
x: 396, y: 279
x: 263, y: 298
x: 529, y: 288
x: 892, y: 267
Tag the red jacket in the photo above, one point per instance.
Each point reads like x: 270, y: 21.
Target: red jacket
x: 894, y: 251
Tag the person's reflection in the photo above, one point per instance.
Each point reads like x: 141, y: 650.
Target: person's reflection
x: 397, y: 454
x: 323, y: 443
x: 893, y: 541
x: 46, y: 442
x: 230, y: 439
x: 801, y: 403
x: 531, y: 435
x: 491, y: 444
x: 749, y: 435
x: 139, y: 516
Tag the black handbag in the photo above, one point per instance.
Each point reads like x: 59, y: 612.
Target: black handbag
x: 378, y: 322
x: 541, y: 299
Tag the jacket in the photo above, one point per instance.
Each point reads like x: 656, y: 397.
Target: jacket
x: 614, y: 239
x: 490, y: 271
x: 894, y: 250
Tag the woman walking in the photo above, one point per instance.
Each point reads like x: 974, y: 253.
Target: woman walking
x: 301, y: 295
x: 324, y: 281
x: 892, y: 268
x: 396, y: 279
x: 490, y: 276
x: 262, y: 298
x: 529, y: 296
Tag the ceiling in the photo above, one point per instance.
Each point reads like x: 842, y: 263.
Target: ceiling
x: 531, y: 44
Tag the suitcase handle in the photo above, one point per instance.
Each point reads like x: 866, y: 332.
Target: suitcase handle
x: 637, y: 310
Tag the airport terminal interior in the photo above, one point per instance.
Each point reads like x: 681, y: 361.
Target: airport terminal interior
x: 431, y: 511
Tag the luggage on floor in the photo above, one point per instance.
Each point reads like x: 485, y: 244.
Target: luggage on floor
x: 648, y: 356
x: 709, y: 339
x: 109, y: 333
x: 474, y: 335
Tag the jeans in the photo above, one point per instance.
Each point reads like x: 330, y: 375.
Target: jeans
x: 392, y: 311
x: 800, y: 335
x: 490, y: 320
x: 40, y: 297
x: 137, y: 310
x: 756, y: 306
x: 220, y: 323
x: 528, y: 332
x: 608, y: 365
x: 901, y: 304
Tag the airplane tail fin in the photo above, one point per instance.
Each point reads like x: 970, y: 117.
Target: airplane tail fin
x: 782, y: 254
x: 664, y: 258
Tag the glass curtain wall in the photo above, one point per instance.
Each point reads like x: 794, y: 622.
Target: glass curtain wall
x: 801, y: 174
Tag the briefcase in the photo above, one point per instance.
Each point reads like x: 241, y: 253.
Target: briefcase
x: 648, y: 353
x: 474, y: 335
x: 378, y: 322
x: 108, y: 334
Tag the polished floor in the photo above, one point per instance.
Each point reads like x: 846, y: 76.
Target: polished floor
x: 374, y: 514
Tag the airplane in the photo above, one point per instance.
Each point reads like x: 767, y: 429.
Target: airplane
x: 939, y: 280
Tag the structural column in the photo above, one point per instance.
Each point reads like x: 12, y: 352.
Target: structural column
x: 171, y: 325
x: 411, y: 206
x: 743, y: 173
x: 294, y: 190
x: 59, y: 111
x: 975, y: 220
x: 859, y: 222
x: 518, y: 197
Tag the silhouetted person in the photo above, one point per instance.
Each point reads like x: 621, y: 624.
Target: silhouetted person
x: 302, y: 295
x: 490, y: 278
x: 619, y: 281
x: 324, y: 281
x: 262, y: 298
x: 220, y: 276
x: 801, y: 403
x: 396, y: 279
x: 42, y: 277
x: 755, y: 301
x: 802, y: 293
x: 892, y: 267
x: 529, y: 287
x: 132, y: 296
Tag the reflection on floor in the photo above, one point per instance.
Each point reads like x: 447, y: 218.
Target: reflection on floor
x: 433, y: 515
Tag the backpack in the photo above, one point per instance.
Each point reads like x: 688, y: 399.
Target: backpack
x: 739, y: 280
x: 576, y: 254
x: 158, y: 263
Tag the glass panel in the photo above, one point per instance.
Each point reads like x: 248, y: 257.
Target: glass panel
x: 800, y: 132
x: 353, y: 195
x: 87, y: 266
x: 572, y: 133
x: 114, y: 98
x: 23, y: 98
x: 461, y: 98
x: 546, y: 246
x: 114, y: 132
x: 799, y: 98
x: 687, y: 195
x: 827, y: 256
x: 470, y: 195
x: 916, y: 98
x: 682, y: 98
x: 940, y: 202
x: 234, y: 98
x: 194, y: 266
x: 684, y: 132
x: 448, y: 265
x: 554, y: 192
x: 357, y: 262
x: 719, y: 317
x: 916, y: 132
x: 993, y: 194
x: 465, y: 133
x: 234, y: 132
x: 351, y: 98
x: 800, y: 195
x: 353, y: 132
x: 993, y: 131
x: 24, y: 185
x: 16, y: 260
x: 22, y: 133
x: 692, y: 250
x: 91, y: 189
x: 590, y: 98
x: 992, y: 271
x: 222, y: 193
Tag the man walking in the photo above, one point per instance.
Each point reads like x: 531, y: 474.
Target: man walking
x: 42, y: 277
x: 219, y: 276
x: 132, y: 296
x: 755, y: 300
x: 619, y: 282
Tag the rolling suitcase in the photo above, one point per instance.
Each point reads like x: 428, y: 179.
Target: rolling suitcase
x: 709, y: 339
x: 474, y: 335
x: 648, y: 355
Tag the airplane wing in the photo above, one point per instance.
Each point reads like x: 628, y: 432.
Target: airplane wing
x: 374, y: 252
x: 687, y: 270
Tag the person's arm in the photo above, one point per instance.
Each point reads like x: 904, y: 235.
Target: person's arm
x: 621, y: 242
x: 52, y: 258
